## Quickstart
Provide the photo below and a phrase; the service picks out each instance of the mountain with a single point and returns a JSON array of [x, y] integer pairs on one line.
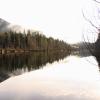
[[6, 26]]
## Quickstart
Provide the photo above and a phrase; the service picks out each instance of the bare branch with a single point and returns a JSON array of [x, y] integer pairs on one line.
[[87, 45], [89, 20], [96, 1]]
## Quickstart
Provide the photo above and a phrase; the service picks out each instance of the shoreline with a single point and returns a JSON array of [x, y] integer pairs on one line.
[[17, 51]]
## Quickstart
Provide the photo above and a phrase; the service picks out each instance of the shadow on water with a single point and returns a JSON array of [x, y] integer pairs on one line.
[[16, 64]]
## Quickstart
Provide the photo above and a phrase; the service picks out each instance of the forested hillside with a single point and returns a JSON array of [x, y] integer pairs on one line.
[[31, 41]]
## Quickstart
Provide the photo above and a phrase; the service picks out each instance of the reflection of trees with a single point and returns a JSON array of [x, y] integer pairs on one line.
[[3, 76], [32, 61]]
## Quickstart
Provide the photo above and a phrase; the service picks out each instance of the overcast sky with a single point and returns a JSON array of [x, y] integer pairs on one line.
[[57, 18]]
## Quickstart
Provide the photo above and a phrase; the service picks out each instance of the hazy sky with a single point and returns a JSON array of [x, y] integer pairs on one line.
[[57, 18]]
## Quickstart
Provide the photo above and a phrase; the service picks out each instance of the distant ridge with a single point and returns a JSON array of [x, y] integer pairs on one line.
[[6, 26]]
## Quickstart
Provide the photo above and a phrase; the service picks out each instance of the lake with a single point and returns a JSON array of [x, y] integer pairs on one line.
[[49, 76]]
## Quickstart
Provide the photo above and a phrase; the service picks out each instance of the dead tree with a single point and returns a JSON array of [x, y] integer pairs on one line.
[[96, 25]]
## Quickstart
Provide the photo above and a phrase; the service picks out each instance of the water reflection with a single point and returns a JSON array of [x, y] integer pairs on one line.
[[70, 79], [16, 64], [81, 53]]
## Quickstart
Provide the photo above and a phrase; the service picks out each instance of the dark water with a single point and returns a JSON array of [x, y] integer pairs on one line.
[[49, 76], [16, 64]]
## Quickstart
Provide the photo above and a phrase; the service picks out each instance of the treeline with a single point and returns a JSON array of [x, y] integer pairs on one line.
[[31, 41]]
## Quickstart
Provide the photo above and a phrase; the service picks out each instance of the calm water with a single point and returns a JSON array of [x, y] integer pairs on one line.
[[49, 76]]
